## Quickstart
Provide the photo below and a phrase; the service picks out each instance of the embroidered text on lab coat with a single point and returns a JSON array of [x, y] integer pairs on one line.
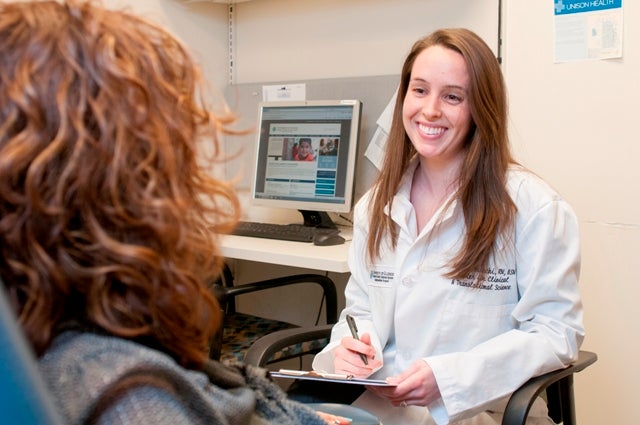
[[495, 279]]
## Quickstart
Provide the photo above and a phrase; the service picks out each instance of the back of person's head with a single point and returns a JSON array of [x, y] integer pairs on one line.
[[107, 212]]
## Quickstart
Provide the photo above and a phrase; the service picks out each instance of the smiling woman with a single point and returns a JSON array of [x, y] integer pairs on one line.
[[474, 248], [436, 111], [437, 120]]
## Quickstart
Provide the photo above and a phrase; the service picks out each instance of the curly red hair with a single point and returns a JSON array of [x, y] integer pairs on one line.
[[108, 215]]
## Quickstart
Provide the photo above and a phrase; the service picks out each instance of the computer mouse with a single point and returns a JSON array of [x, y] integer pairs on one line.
[[327, 239]]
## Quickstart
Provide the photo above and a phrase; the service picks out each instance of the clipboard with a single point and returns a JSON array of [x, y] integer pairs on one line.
[[314, 375]]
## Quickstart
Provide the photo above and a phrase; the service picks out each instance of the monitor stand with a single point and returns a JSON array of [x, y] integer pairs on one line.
[[317, 219]]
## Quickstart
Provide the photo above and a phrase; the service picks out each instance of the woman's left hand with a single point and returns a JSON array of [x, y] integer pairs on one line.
[[415, 386]]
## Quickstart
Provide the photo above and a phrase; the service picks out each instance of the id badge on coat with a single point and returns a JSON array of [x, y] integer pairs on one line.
[[381, 276]]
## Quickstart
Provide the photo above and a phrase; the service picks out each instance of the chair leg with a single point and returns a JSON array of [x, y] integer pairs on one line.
[[553, 403], [565, 389], [215, 348], [226, 280], [560, 401]]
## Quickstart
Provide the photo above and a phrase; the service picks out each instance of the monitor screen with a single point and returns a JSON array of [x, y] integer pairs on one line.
[[306, 156]]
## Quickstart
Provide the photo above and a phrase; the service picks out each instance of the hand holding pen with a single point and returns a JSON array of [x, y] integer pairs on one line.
[[356, 355], [354, 333]]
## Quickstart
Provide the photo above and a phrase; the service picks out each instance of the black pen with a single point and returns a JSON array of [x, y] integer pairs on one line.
[[354, 333]]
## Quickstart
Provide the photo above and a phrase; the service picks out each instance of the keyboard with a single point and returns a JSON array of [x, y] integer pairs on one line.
[[285, 232]]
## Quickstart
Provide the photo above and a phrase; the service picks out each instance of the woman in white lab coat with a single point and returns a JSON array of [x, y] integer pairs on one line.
[[464, 265]]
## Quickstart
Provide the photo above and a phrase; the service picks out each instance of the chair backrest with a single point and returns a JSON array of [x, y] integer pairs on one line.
[[241, 329], [24, 398]]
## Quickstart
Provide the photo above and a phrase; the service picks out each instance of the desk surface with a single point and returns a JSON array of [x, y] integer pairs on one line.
[[287, 253]]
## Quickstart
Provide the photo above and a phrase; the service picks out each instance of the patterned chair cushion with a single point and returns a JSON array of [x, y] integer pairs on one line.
[[241, 330]]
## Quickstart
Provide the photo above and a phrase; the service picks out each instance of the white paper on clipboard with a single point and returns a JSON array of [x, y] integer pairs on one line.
[[313, 375]]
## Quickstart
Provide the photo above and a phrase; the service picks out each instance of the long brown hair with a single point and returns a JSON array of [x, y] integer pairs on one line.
[[488, 209], [108, 214]]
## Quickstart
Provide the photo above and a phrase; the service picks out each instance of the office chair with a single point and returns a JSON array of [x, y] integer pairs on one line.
[[241, 330], [24, 398], [557, 384]]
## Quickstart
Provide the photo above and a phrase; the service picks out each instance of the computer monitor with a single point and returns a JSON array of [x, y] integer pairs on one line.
[[306, 157]]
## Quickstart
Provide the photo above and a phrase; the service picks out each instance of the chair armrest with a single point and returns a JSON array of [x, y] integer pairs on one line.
[[265, 347], [522, 399], [325, 282]]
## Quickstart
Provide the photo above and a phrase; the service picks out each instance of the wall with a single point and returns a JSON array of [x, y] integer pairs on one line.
[[574, 124], [308, 39]]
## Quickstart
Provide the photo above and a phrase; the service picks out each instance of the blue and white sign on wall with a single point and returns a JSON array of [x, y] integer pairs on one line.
[[565, 7], [587, 29]]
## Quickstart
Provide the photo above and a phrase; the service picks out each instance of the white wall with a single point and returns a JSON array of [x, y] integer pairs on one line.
[[310, 39], [575, 124]]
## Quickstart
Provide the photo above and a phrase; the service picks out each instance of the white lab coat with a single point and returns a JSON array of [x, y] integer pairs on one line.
[[483, 343]]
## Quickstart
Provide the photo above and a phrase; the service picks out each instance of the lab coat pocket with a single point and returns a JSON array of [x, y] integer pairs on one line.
[[464, 325]]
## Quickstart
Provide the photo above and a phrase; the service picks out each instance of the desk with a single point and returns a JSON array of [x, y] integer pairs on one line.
[[287, 253]]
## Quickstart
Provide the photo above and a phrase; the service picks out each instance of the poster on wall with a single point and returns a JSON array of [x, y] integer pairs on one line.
[[587, 30]]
